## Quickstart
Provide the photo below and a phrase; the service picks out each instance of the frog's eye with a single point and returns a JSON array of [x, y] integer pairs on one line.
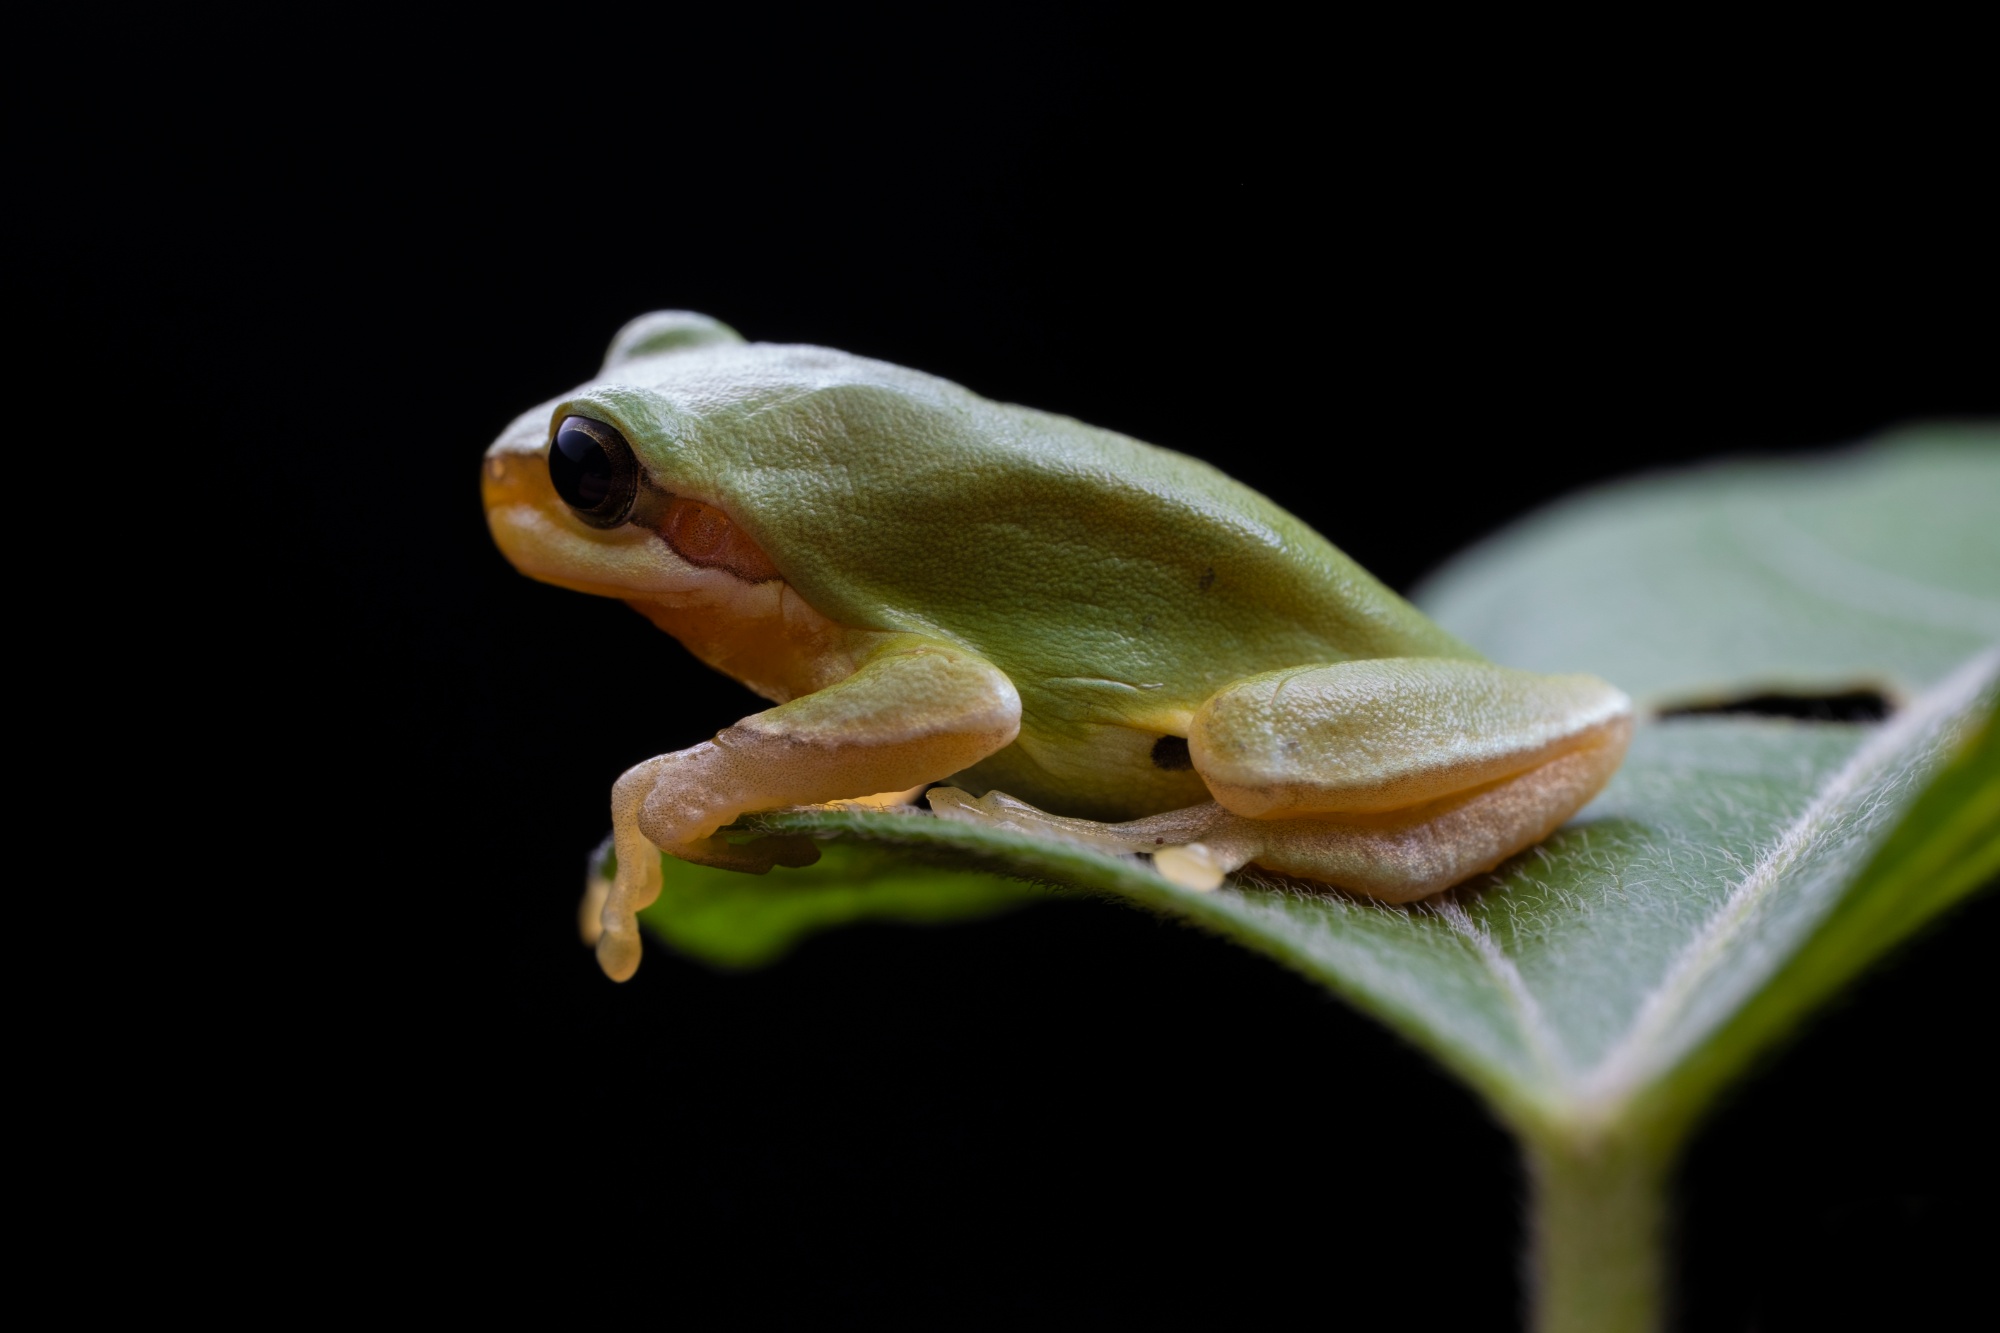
[[594, 471]]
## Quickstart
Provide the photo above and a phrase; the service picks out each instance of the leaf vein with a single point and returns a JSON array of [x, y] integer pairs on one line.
[[1641, 1053], [1535, 1031]]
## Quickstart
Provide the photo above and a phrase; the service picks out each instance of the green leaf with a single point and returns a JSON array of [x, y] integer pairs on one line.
[[1879, 566], [1600, 988], [1623, 969]]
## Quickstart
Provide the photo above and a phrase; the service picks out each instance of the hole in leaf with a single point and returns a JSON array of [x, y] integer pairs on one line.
[[1844, 706]]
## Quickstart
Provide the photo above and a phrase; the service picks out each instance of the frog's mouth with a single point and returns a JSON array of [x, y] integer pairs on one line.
[[539, 537], [675, 547]]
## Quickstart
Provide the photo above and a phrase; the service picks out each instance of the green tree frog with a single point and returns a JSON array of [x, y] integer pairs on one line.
[[1078, 632]]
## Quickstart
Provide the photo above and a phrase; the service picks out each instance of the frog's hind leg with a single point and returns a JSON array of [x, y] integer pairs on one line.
[[1401, 856], [1400, 777]]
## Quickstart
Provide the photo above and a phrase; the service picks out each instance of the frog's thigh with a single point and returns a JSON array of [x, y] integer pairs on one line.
[[1392, 734], [912, 714]]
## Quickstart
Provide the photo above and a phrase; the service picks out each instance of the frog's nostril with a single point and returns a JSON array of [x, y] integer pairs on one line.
[[593, 471]]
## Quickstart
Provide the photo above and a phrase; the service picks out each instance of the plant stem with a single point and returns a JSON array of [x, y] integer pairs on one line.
[[1597, 1219]]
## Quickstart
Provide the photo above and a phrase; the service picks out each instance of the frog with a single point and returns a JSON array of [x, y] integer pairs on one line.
[[1043, 624]]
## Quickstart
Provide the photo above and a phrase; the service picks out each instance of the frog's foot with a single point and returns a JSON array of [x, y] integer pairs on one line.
[[654, 809], [1184, 844], [639, 833], [755, 858], [631, 890]]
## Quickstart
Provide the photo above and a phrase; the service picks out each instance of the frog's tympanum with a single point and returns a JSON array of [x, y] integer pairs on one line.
[[1075, 631]]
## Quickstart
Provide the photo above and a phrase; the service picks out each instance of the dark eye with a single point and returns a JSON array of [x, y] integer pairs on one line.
[[594, 471]]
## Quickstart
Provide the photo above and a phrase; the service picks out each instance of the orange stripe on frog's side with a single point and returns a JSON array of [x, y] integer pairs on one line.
[[703, 535]]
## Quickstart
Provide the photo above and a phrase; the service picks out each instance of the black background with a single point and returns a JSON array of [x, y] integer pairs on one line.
[[1409, 287]]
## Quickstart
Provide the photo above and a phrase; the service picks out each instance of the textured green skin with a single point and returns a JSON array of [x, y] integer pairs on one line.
[[1117, 584]]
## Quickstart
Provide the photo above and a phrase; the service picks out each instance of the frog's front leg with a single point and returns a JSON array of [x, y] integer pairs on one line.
[[915, 711]]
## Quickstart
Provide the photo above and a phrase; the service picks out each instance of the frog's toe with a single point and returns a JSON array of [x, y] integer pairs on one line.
[[590, 912], [618, 948], [618, 945], [631, 891], [999, 810], [1196, 865]]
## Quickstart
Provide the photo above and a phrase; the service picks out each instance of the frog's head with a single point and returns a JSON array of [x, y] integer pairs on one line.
[[596, 491], [702, 478]]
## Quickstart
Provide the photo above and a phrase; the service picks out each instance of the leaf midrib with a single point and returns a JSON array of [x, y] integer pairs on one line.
[[1638, 1058]]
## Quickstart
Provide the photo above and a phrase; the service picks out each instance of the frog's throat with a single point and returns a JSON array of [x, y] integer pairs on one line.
[[764, 635], [761, 632]]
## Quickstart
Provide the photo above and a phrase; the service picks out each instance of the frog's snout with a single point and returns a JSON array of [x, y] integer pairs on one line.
[[545, 539], [520, 504], [513, 477]]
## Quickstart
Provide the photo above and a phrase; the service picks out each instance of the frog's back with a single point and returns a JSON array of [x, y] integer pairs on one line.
[[893, 499]]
